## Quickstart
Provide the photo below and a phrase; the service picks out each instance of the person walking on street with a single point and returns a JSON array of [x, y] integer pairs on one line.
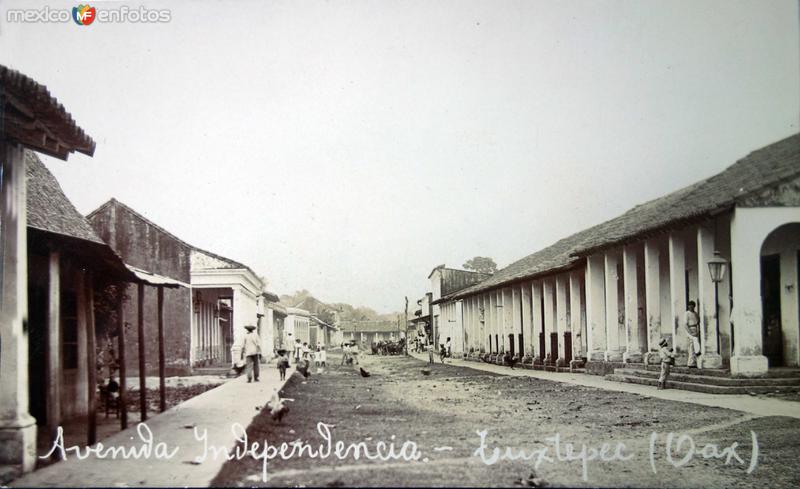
[[251, 351], [298, 349], [667, 360], [448, 348], [691, 322], [430, 353]]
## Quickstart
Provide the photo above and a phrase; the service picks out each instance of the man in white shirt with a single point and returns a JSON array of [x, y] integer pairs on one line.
[[251, 350], [691, 322]]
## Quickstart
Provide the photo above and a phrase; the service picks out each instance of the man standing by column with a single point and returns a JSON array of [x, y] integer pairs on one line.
[[692, 323], [251, 349]]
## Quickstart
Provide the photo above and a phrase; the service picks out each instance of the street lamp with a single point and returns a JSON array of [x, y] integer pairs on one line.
[[717, 267]]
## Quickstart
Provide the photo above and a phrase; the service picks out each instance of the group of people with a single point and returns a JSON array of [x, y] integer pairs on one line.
[[303, 355]]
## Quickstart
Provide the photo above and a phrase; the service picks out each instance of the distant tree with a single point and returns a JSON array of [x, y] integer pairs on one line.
[[482, 264]]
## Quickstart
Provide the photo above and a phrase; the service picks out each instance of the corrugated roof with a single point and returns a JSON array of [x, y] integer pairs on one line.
[[35, 119]]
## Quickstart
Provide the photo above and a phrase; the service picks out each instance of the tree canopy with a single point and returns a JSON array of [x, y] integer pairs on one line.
[[482, 264]]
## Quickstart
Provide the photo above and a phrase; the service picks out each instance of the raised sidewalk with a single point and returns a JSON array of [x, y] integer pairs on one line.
[[216, 411], [745, 403]]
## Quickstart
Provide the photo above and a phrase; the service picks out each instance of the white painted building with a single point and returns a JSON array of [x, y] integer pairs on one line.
[[608, 294]]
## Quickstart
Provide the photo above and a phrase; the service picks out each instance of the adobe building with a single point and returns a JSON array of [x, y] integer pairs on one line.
[[206, 318]]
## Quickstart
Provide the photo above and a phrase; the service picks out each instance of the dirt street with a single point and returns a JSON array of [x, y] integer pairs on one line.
[[443, 412]]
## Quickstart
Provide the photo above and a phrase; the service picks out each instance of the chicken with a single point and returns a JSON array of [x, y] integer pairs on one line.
[[364, 373], [277, 407]]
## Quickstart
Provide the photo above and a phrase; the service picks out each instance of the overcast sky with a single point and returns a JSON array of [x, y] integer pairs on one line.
[[348, 147]]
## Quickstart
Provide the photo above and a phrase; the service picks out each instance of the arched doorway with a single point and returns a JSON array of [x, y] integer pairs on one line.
[[780, 308]]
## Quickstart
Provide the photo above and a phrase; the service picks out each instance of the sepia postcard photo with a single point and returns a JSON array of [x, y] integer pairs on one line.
[[400, 243]]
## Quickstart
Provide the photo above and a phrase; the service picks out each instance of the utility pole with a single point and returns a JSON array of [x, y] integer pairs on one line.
[[406, 318]]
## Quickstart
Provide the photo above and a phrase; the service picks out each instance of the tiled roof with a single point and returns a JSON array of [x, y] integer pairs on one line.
[[548, 260], [367, 326], [48, 208], [762, 168], [35, 119], [200, 257]]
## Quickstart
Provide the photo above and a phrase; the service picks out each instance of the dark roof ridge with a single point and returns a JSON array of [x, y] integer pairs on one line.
[[138, 215]]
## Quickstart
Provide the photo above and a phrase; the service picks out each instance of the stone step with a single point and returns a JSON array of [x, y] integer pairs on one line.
[[706, 388], [698, 377], [708, 372]]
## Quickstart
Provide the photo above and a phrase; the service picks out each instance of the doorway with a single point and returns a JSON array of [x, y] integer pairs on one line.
[[771, 309], [511, 344]]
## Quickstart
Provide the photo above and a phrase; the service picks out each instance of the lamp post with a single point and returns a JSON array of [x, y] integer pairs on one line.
[[717, 267]]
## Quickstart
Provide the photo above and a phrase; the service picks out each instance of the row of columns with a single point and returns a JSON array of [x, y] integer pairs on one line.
[[619, 334], [495, 321]]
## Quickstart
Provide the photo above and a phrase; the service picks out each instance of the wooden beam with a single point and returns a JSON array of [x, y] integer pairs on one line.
[[54, 347], [91, 406], [123, 378], [142, 379], [161, 367]]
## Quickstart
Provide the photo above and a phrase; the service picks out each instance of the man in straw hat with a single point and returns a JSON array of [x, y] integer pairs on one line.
[[251, 351], [667, 359]]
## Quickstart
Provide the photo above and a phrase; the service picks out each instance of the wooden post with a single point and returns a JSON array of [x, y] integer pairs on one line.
[[161, 367], [91, 405], [142, 380], [54, 346], [123, 378]]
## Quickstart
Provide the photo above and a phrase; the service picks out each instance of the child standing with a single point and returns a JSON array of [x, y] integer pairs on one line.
[[283, 363], [667, 359]]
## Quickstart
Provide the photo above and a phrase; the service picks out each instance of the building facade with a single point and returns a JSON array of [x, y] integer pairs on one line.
[[607, 295]]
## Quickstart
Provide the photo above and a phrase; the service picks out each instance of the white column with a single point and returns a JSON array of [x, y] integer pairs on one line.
[[575, 313], [527, 329], [561, 317], [503, 306], [81, 387], [652, 286], [17, 426], [516, 319], [549, 319], [677, 286], [596, 307], [614, 348], [749, 229], [633, 344], [536, 319], [54, 379], [709, 339], [490, 320]]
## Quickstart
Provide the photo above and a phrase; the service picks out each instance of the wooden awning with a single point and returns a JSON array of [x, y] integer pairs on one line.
[[36, 120]]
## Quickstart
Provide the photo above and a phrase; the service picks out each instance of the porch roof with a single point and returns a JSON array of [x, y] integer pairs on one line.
[[760, 169], [53, 218], [35, 119]]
